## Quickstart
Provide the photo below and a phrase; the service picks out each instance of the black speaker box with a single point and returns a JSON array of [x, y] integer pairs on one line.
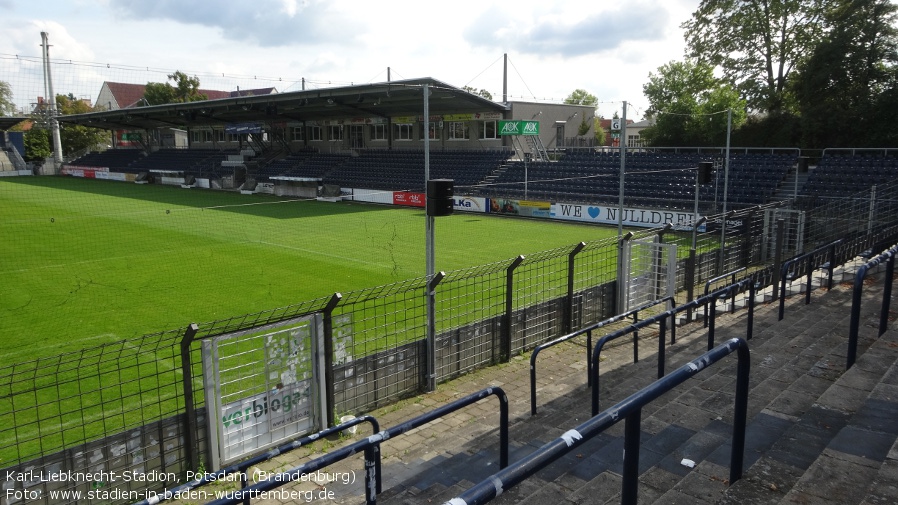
[[439, 197]]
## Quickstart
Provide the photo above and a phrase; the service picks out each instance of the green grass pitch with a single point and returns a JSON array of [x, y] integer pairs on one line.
[[88, 261]]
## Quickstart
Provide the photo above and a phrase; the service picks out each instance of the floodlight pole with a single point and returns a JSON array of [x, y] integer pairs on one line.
[[726, 179], [51, 100], [429, 241], [623, 164]]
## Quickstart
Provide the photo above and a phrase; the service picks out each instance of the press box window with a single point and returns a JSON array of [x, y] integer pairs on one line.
[[458, 130], [402, 132]]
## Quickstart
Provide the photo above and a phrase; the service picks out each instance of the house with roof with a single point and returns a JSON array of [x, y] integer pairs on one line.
[[121, 95]]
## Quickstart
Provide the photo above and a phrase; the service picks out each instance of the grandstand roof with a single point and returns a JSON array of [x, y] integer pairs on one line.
[[8, 122], [388, 99]]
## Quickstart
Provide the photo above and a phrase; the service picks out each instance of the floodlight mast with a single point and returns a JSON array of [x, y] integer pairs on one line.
[[51, 100], [429, 241], [623, 164]]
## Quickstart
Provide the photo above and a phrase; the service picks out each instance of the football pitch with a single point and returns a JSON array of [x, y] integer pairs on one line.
[[88, 261]]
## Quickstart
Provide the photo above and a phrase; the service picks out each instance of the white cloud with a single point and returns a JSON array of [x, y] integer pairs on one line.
[[553, 48]]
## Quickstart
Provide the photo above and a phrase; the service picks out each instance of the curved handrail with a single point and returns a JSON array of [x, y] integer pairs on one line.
[[371, 449], [662, 319], [855, 320], [629, 409], [241, 467], [588, 330], [715, 279], [829, 265]]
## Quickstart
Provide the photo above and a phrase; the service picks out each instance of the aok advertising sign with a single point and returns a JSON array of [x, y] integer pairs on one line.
[[518, 127]]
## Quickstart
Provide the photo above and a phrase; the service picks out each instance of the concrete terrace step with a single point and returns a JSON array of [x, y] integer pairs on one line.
[[840, 449], [803, 410]]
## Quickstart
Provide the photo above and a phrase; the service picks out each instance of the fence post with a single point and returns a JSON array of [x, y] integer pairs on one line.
[[622, 287], [690, 282], [569, 300], [887, 293], [505, 345], [328, 324], [431, 379], [190, 437], [630, 480], [778, 255]]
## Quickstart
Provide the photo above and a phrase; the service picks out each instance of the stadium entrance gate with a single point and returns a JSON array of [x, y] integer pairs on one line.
[[793, 240], [263, 387], [648, 273]]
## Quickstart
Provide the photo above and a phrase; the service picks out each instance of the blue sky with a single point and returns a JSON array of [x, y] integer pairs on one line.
[[553, 47]]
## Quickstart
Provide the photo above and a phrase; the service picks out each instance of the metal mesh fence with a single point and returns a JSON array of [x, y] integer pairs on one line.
[[469, 309]]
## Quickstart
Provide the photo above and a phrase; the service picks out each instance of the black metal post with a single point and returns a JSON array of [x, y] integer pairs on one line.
[[690, 281], [328, 327], [588, 360], [752, 286], [505, 345], [887, 294], [190, 433], [807, 291], [778, 255], [630, 481], [661, 358], [567, 324]]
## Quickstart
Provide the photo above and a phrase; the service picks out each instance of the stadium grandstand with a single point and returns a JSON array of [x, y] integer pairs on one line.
[[370, 137]]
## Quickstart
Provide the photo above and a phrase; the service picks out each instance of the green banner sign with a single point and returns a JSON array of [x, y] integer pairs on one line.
[[518, 127]]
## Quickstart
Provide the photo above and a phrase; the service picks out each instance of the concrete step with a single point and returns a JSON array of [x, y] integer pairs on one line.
[[840, 447], [803, 408]]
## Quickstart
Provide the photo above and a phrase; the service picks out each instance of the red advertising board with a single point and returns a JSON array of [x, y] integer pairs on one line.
[[408, 199]]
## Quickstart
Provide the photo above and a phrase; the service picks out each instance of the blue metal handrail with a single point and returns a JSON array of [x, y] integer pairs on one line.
[[371, 449], [588, 330], [631, 410], [809, 257], [241, 467], [854, 324], [662, 320], [712, 280]]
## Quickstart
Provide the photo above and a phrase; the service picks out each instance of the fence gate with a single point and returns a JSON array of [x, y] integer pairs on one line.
[[649, 272], [263, 387], [793, 245]]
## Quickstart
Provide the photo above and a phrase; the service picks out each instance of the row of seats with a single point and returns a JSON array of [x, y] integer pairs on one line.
[[753, 178], [838, 175]]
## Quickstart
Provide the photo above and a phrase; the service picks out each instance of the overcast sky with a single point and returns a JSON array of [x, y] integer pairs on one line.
[[553, 48]]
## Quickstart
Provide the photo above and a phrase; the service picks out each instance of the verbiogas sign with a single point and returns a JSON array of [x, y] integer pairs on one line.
[[603, 214]]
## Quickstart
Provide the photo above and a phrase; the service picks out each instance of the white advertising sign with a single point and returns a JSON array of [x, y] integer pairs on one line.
[[604, 214]]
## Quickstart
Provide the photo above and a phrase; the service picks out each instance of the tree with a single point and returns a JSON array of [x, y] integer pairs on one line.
[[599, 132], [848, 87], [37, 144], [186, 89], [689, 105], [581, 97], [583, 129], [479, 92], [7, 107], [77, 138], [757, 43]]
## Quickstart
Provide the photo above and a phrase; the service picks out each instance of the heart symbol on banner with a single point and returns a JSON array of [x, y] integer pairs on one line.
[[593, 212]]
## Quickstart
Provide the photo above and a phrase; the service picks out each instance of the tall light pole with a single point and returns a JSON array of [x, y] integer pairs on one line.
[[51, 100], [430, 269], [726, 179], [623, 165]]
